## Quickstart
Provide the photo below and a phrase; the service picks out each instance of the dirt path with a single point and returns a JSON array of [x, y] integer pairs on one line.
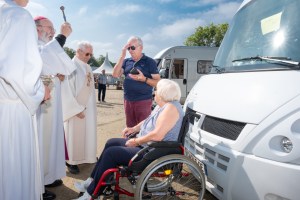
[[110, 122]]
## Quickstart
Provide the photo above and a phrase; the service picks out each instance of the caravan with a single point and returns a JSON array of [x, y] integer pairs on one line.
[[185, 65], [245, 115]]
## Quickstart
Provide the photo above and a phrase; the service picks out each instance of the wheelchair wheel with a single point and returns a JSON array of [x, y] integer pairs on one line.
[[171, 177]]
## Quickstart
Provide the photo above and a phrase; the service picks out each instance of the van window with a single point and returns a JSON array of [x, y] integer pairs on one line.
[[177, 69], [203, 66], [270, 31]]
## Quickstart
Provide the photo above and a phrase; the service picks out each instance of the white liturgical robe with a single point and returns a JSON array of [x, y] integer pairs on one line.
[[55, 61], [81, 136], [21, 92]]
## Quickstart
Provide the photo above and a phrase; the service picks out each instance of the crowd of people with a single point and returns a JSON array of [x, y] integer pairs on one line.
[[48, 106]]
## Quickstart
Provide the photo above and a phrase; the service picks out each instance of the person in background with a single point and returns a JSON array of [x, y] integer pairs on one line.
[[21, 93], [80, 127], [102, 80], [137, 86], [163, 124], [56, 65]]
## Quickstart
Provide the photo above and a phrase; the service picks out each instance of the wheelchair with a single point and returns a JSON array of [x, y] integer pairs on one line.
[[163, 172]]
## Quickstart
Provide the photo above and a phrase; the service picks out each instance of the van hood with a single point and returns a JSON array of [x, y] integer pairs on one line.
[[245, 97]]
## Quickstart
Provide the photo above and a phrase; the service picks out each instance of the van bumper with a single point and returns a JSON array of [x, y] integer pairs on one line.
[[234, 175]]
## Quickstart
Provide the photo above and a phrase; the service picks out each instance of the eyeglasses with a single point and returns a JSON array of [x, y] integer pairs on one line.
[[50, 27], [88, 54], [132, 48]]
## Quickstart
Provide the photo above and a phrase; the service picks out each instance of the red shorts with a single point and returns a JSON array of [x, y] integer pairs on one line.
[[137, 111]]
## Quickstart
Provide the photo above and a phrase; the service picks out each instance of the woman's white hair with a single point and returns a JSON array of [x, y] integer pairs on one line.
[[168, 90], [84, 44]]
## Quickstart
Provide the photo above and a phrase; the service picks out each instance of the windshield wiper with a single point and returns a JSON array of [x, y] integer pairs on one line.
[[280, 60], [218, 69]]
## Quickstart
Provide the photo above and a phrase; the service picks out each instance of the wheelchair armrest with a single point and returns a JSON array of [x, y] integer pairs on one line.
[[154, 151], [164, 144], [158, 146]]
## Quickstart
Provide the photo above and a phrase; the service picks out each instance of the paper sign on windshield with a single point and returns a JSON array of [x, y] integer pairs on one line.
[[271, 23]]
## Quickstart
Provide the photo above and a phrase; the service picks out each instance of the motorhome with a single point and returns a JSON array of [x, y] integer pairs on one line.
[[244, 116], [185, 65]]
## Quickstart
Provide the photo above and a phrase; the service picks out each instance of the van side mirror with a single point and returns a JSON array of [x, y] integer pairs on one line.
[[164, 73]]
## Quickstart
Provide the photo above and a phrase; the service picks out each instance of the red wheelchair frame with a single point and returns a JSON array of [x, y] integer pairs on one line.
[[149, 154]]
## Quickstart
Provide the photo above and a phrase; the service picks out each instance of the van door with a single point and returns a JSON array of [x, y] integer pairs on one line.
[[178, 73]]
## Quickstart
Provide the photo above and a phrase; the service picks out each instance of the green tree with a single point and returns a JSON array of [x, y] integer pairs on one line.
[[71, 52], [100, 60], [93, 62], [211, 35]]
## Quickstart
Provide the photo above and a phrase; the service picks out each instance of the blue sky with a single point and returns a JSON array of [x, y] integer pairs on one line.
[[107, 24]]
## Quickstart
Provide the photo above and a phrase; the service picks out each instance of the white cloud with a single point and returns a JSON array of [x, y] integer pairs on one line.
[[176, 32], [221, 13], [184, 27], [148, 37], [165, 1], [117, 10], [122, 37], [201, 3], [83, 10], [179, 28], [165, 17]]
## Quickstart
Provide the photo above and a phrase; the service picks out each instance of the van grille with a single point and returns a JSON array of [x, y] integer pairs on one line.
[[222, 128]]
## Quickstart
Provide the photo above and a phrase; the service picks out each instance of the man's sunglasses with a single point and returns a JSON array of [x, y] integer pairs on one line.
[[89, 54], [132, 48]]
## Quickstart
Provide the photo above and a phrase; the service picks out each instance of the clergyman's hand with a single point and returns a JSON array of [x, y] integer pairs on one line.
[[61, 77], [80, 115], [47, 95], [66, 29]]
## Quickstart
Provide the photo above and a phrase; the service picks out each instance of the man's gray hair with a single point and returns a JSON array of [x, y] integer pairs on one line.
[[84, 44], [138, 39], [168, 90]]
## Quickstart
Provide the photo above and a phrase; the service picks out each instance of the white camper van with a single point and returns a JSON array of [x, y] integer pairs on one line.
[[245, 115], [185, 65]]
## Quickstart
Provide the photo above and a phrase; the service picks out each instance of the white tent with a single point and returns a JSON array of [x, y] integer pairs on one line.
[[106, 65], [108, 71]]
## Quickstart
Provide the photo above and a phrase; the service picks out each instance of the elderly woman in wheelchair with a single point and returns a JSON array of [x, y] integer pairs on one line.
[[129, 156]]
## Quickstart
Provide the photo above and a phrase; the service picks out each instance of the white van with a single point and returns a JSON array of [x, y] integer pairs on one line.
[[185, 65], [245, 115]]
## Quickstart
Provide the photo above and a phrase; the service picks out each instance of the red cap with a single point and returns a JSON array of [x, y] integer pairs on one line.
[[39, 18]]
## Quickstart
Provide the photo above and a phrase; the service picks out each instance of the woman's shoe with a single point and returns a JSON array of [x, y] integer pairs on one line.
[[82, 186], [85, 196]]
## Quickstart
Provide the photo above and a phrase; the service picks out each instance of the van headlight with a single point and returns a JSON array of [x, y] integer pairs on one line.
[[286, 145]]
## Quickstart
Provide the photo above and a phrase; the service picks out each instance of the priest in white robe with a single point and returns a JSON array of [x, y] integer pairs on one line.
[[21, 92], [80, 128], [56, 65]]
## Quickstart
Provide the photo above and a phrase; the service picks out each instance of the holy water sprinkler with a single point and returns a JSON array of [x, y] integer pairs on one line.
[[63, 12]]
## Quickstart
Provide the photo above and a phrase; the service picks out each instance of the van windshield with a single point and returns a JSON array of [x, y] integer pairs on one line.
[[263, 35]]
